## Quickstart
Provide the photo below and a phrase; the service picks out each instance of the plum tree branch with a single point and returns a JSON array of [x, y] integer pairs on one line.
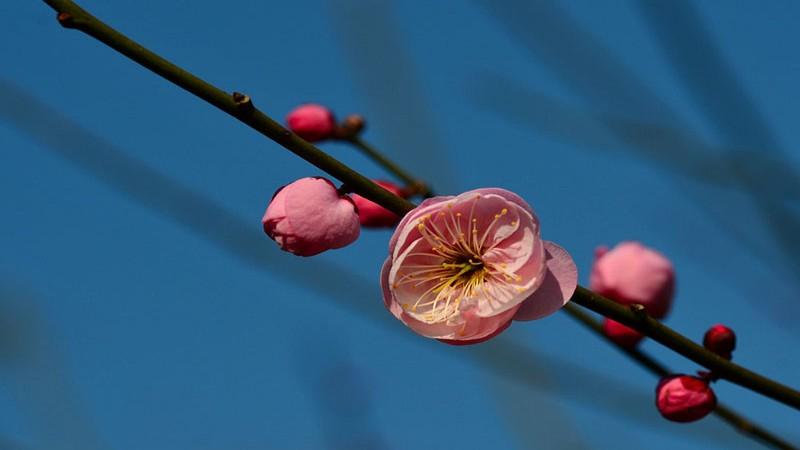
[[240, 106], [390, 166]]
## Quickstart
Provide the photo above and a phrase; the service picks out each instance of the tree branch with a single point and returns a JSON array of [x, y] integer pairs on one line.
[[70, 15]]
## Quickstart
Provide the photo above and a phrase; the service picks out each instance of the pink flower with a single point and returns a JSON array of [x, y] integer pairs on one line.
[[374, 215], [623, 335], [311, 122], [632, 273], [461, 268], [720, 340], [309, 216], [684, 398]]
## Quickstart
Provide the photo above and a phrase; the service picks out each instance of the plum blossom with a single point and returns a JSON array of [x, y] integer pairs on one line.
[[461, 268]]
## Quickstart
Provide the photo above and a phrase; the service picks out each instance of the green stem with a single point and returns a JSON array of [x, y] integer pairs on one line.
[[736, 420], [372, 153], [239, 106]]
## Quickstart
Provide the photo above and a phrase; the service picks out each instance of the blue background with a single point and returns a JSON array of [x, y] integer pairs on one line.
[[141, 306]]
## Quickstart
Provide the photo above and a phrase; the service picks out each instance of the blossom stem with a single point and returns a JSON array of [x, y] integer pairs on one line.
[[375, 155], [241, 107], [736, 420]]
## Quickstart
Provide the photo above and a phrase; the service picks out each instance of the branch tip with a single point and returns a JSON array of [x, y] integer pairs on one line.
[[351, 127]]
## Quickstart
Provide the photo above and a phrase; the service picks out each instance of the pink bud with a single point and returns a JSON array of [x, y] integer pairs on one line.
[[623, 335], [720, 340], [311, 122], [631, 273], [684, 398], [309, 216], [374, 215]]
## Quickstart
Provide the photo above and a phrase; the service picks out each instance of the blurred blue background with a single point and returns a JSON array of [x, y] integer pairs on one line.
[[141, 306]]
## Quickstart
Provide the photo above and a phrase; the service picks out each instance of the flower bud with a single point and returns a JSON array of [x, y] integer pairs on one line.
[[350, 127], [310, 216], [684, 398], [631, 273], [373, 215], [311, 122], [720, 340], [623, 335]]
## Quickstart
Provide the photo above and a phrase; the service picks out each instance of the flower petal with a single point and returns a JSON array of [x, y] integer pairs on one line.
[[401, 233], [479, 329], [388, 299], [558, 286], [503, 327], [508, 195]]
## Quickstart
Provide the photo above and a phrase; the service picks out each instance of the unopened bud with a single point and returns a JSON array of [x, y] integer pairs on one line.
[[312, 122], [310, 216], [623, 335], [720, 340], [684, 398]]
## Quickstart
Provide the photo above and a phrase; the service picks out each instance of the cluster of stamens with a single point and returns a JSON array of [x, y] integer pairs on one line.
[[460, 271]]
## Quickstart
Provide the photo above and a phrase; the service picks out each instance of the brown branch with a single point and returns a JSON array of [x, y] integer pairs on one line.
[[71, 15]]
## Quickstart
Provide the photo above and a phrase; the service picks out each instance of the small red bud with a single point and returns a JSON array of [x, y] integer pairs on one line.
[[373, 215], [720, 340], [623, 335], [684, 398], [312, 122]]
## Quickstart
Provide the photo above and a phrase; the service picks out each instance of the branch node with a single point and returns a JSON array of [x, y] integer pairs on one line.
[[66, 20], [242, 101], [638, 309]]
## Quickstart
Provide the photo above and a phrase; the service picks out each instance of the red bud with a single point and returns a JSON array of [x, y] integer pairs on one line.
[[684, 398], [720, 340]]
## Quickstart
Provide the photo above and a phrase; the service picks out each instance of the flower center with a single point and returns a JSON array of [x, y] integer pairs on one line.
[[457, 271]]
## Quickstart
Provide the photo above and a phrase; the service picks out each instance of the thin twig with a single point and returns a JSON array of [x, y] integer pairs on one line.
[[737, 421], [240, 106], [372, 153]]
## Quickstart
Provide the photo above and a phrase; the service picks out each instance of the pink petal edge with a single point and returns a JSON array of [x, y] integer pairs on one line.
[[557, 288]]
